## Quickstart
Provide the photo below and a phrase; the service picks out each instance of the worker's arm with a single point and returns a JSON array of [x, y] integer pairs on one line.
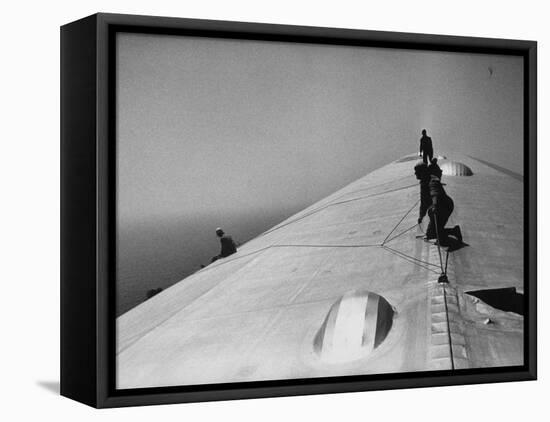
[[433, 206], [435, 192]]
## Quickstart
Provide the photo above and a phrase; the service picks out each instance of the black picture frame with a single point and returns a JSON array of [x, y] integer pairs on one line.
[[88, 198]]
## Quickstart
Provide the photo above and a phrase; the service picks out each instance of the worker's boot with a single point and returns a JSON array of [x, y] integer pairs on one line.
[[443, 242], [457, 233]]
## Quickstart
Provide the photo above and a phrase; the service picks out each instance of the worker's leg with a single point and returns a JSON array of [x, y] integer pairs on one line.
[[444, 211], [455, 232], [430, 155], [430, 230]]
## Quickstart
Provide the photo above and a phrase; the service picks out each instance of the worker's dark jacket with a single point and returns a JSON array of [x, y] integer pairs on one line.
[[228, 246], [434, 169], [425, 198], [440, 199], [426, 145]]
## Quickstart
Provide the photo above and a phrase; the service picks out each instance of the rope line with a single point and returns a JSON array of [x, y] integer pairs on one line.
[[330, 204], [409, 259], [438, 243], [449, 329], [402, 218], [328, 246], [401, 233], [226, 261], [372, 194]]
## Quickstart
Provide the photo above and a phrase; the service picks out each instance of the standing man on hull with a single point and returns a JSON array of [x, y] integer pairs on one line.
[[426, 148]]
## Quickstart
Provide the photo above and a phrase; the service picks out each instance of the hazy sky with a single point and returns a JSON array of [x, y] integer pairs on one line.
[[243, 134], [204, 123]]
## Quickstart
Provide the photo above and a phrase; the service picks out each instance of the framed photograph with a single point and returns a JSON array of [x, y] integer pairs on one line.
[[253, 210]]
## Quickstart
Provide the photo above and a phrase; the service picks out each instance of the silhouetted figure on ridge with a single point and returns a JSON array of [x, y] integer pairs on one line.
[[227, 244], [426, 147]]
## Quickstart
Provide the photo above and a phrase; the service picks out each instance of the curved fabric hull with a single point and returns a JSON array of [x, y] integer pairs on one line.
[[257, 315]]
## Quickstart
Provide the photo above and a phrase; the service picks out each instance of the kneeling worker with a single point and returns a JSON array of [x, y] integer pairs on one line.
[[439, 213], [227, 243]]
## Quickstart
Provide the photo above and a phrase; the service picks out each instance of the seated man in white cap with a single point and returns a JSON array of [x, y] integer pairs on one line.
[[228, 245]]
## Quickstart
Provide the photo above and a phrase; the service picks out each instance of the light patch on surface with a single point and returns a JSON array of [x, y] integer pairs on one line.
[[355, 325], [454, 168]]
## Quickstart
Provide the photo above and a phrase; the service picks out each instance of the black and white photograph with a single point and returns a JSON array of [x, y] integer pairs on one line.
[[275, 211], [290, 210]]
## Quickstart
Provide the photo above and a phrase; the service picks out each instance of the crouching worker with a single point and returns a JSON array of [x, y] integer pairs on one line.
[[439, 212], [227, 244]]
